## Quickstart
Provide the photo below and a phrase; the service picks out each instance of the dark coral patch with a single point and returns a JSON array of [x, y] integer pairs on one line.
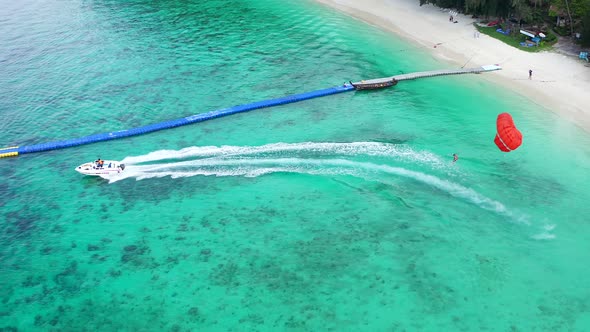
[[69, 280], [137, 255], [32, 281], [21, 222]]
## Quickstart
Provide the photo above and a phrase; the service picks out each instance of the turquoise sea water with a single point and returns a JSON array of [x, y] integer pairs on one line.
[[343, 213]]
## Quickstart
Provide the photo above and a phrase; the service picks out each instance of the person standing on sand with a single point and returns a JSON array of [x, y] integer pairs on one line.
[[530, 74]]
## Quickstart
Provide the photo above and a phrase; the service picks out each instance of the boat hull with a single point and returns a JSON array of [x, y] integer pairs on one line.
[[375, 85], [109, 167]]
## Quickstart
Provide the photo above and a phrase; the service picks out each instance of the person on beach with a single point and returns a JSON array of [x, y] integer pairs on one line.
[[530, 74], [455, 157], [451, 18]]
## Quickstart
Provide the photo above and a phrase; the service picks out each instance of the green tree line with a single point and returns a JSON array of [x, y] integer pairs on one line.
[[566, 17]]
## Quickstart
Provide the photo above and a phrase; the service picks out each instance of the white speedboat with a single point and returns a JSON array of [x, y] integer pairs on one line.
[[107, 167]]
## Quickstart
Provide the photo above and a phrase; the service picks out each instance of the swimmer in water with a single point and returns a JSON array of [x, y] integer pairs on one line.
[[455, 157]]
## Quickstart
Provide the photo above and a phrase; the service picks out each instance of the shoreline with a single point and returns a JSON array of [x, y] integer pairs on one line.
[[559, 83]]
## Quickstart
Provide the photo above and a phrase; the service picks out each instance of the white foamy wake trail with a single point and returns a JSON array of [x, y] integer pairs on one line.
[[226, 164], [400, 152], [546, 233]]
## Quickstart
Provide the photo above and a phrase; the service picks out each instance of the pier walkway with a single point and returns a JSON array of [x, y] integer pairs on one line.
[[432, 73]]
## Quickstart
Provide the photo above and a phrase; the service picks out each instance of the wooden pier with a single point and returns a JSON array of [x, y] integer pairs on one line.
[[422, 74]]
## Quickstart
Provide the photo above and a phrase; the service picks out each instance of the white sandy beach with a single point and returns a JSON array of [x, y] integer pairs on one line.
[[560, 83]]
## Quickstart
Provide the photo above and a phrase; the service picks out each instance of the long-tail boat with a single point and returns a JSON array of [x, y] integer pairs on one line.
[[372, 86]]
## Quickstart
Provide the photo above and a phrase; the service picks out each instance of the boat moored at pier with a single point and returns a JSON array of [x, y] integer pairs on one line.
[[362, 85]]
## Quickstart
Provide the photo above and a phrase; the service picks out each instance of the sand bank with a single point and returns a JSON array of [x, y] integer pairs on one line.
[[559, 83]]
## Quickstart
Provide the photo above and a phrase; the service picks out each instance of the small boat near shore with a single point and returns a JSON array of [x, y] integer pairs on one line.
[[101, 168], [374, 85]]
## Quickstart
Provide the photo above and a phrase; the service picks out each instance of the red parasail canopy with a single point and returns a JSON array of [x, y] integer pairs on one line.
[[508, 137]]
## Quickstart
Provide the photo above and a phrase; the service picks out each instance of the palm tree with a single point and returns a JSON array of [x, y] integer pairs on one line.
[[569, 14]]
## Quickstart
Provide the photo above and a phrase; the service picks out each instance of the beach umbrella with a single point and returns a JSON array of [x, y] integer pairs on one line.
[[508, 138]]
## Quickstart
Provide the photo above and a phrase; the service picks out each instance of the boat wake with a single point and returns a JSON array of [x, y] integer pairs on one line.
[[546, 233], [400, 152], [387, 161]]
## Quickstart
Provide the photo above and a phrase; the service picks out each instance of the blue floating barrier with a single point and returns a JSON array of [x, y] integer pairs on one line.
[[176, 122]]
